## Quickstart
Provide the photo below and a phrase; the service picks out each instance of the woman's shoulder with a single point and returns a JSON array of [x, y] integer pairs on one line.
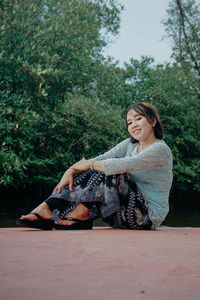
[[162, 147], [163, 144]]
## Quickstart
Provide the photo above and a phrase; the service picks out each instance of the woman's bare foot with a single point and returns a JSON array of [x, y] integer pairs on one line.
[[80, 212], [43, 210]]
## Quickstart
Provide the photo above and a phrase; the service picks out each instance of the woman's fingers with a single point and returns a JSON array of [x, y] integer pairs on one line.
[[66, 179], [71, 184], [60, 187], [55, 189]]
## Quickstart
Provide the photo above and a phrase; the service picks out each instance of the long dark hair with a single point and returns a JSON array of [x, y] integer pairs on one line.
[[150, 112]]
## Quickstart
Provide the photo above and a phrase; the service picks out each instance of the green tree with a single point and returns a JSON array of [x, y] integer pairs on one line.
[[53, 46], [182, 82], [49, 50]]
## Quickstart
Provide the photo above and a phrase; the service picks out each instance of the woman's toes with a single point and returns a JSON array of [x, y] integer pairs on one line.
[[23, 217], [64, 222], [28, 217], [58, 222]]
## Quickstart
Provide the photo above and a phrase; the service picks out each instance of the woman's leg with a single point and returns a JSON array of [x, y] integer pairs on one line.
[[82, 204], [45, 211], [92, 186], [133, 211]]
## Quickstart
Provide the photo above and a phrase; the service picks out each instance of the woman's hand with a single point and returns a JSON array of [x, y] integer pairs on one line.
[[82, 165], [66, 179]]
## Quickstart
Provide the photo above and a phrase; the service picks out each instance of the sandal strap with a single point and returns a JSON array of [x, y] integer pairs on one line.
[[37, 215], [75, 220]]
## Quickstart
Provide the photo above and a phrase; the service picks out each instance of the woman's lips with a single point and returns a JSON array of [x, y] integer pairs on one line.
[[136, 131]]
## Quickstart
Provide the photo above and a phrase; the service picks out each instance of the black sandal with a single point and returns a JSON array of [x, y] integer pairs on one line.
[[80, 224], [40, 223]]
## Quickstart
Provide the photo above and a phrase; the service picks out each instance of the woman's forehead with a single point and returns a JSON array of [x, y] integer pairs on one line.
[[132, 114]]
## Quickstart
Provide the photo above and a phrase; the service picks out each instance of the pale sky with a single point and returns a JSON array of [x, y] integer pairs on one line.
[[141, 32]]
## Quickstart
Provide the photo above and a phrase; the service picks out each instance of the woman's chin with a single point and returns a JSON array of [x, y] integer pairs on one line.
[[136, 137]]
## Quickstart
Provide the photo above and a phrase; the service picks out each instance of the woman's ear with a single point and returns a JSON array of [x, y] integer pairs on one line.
[[154, 121]]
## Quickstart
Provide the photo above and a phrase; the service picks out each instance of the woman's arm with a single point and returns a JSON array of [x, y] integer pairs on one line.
[[85, 164], [156, 156]]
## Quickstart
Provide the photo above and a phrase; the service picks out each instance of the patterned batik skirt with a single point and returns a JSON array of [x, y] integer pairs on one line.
[[114, 198]]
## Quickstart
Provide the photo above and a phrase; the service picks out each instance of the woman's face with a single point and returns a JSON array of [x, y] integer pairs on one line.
[[139, 127]]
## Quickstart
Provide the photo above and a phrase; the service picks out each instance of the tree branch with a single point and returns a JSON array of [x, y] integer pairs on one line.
[[182, 17]]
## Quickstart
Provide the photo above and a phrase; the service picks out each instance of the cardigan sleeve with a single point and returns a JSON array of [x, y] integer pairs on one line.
[[155, 156]]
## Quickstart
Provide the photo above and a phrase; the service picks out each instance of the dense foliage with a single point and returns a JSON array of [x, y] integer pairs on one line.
[[48, 50], [60, 99]]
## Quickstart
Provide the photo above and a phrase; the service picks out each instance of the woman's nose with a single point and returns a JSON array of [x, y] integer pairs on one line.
[[134, 125]]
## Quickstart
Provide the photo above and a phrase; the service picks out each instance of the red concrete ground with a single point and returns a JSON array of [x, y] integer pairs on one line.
[[102, 263]]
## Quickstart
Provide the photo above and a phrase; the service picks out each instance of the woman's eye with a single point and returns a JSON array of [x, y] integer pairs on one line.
[[138, 119], [129, 123]]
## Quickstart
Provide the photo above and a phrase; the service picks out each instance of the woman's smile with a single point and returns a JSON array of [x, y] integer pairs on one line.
[[136, 131]]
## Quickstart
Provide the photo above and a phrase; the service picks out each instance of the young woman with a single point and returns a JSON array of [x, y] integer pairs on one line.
[[128, 186]]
